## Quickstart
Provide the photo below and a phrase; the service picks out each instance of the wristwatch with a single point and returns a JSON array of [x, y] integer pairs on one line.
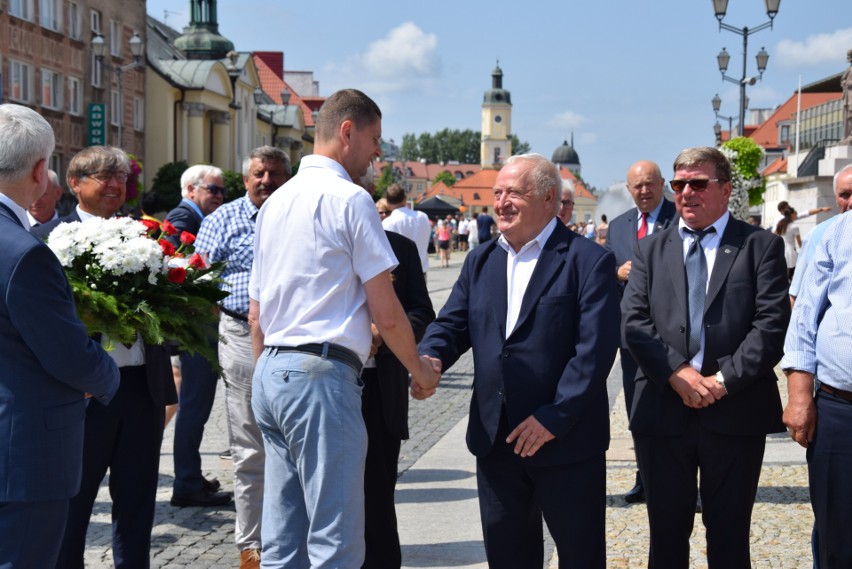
[[720, 379]]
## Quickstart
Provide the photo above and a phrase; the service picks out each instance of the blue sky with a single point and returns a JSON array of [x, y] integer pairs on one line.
[[632, 80]]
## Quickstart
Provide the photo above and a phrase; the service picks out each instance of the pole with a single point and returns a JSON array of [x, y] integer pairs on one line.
[[798, 117], [743, 83], [118, 72]]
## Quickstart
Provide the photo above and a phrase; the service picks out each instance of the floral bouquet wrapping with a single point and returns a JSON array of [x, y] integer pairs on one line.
[[124, 281]]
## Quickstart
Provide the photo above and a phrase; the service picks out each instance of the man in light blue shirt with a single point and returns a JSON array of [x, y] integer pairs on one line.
[[843, 197], [817, 346]]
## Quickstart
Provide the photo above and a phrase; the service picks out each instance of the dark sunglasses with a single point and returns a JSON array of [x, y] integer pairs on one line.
[[213, 189], [697, 185]]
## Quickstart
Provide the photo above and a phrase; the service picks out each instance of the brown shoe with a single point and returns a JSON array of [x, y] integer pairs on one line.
[[250, 559]]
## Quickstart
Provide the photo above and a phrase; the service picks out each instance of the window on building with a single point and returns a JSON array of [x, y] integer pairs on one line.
[[114, 108], [21, 9], [55, 164], [95, 21], [51, 89], [20, 81], [74, 29], [784, 134], [50, 14], [97, 72], [75, 96], [138, 114], [115, 38]]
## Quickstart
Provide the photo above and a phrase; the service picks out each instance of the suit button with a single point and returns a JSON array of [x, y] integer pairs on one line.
[[500, 392], [505, 355], [682, 329]]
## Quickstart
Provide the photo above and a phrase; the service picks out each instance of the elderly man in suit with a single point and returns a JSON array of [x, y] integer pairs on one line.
[[539, 417], [652, 213], [43, 210], [203, 190], [126, 436], [48, 360], [704, 314]]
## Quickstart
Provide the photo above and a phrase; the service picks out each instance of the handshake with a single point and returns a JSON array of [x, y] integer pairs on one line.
[[424, 380]]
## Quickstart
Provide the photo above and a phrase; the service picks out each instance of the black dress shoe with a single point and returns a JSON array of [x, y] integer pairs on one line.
[[200, 499], [636, 494], [210, 486]]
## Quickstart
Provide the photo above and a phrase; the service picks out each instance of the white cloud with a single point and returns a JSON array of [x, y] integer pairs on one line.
[[568, 119], [406, 59], [821, 48]]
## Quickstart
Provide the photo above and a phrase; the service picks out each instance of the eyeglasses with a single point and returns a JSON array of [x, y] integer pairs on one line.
[[214, 189], [105, 177], [697, 184], [567, 203], [383, 213]]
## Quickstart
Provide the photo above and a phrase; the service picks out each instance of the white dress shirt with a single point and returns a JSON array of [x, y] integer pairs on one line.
[[414, 225]]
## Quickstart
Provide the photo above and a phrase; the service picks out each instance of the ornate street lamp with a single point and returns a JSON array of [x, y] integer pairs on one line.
[[137, 48], [720, 8], [717, 128]]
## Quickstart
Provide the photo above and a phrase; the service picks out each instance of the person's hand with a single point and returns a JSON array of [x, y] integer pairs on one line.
[[800, 414], [529, 436], [376, 341], [425, 381], [690, 385], [623, 271]]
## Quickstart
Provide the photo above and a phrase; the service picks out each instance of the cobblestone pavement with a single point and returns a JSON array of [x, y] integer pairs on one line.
[[189, 538]]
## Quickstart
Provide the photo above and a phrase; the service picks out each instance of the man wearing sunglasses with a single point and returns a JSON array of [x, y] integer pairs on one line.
[[704, 315], [203, 189]]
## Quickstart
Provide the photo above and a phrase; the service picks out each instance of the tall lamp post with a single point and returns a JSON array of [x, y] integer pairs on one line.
[[137, 48], [720, 7], [717, 128]]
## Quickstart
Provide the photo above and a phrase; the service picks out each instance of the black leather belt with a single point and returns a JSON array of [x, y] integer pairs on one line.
[[233, 314], [325, 350], [845, 395]]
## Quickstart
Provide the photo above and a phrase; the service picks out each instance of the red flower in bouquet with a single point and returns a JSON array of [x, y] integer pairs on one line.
[[177, 275], [197, 262], [168, 228], [151, 225], [167, 247], [187, 238]]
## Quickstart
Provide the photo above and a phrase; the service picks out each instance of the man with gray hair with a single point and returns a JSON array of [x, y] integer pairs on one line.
[[566, 201], [539, 418], [43, 210], [203, 189], [227, 235], [49, 362]]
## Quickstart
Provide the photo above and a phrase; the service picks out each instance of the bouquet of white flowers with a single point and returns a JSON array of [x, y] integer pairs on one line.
[[125, 281]]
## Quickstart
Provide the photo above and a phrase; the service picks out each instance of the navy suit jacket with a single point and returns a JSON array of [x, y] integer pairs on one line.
[[746, 314], [184, 218], [410, 287], [48, 362], [554, 365]]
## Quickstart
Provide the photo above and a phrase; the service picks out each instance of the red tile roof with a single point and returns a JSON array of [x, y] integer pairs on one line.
[[475, 190], [766, 134], [778, 165], [580, 190], [270, 71]]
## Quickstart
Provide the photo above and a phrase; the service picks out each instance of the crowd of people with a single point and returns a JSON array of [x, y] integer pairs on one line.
[[322, 341]]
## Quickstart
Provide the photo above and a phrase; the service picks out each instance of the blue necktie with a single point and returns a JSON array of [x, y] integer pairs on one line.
[[696, 287]]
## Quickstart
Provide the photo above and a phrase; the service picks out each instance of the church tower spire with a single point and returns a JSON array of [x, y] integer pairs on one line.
[[496, 143]]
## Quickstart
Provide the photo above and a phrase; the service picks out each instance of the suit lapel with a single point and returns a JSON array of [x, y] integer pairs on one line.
[[673, 263], [494, 277], [549, 263], [729, 247], [4, 210]]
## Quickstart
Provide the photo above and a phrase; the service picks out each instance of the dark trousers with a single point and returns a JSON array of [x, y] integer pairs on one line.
[[730, 471], [380, 473], [125, 438], [513, 497], [629, 367], [197, 393], [30, 533], [829, 467]]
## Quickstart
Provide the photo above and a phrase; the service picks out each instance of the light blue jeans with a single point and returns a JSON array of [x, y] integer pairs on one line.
[[309, 411]]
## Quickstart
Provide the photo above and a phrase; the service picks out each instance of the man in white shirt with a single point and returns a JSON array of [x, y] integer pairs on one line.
[[311, 304], [408, 223]]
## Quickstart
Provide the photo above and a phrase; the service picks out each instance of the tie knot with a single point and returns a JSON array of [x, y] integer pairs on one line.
[[699, 234]]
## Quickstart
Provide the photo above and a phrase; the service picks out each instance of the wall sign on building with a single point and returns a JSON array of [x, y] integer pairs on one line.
[[97, 124]]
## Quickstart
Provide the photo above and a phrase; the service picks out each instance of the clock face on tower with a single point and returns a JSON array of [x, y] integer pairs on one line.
[[498, 119]]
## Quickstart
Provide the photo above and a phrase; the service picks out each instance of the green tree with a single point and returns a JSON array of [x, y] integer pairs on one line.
[[410, 150], [519, 147], [450, 145], [234, 185], [745, 156], [166, 184], [387, 178], [445, 176]]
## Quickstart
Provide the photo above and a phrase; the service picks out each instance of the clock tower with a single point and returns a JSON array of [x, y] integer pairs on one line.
[[496, 144]]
